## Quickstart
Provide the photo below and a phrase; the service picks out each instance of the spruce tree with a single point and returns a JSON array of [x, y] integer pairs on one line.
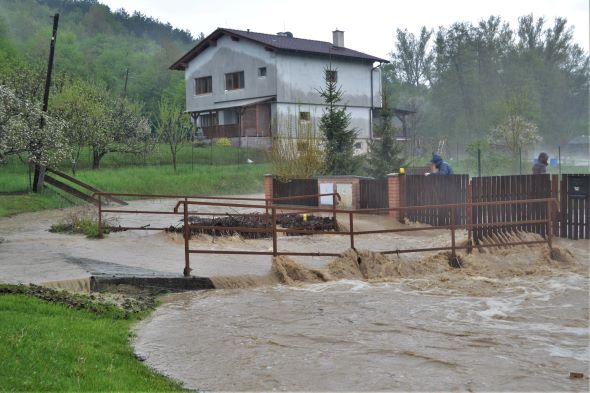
[[335, 127], [385, 153]]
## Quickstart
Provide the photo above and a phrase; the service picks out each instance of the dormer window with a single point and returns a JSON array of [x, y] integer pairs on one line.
[[234, 80]]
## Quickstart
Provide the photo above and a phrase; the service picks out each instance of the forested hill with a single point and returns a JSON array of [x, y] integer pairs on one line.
[[94, 44]]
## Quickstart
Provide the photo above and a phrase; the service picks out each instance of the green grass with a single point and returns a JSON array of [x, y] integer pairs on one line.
[[200, 180], [203, 180], [160, 156], [15, 204], [51, 347]]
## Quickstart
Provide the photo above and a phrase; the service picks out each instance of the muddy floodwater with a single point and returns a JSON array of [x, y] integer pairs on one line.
[[429, 328], [511, 319]]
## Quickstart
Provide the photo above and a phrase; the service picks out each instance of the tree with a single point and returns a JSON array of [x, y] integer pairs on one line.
[[174, 127], [126, 130], [413, 60], [20, 131], [514, 134], [81, 106], [334, 124], [299, 154], [385, 153]]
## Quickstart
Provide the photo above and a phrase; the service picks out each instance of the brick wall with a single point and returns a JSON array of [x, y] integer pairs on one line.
[[393, 181], [268, 186]]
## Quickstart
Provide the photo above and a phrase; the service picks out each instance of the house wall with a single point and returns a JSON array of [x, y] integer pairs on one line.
[[230, 56], [300, 76], [293, 78], [286, 117]]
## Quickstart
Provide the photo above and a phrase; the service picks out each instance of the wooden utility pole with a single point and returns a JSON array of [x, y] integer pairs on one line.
[[39, 169]]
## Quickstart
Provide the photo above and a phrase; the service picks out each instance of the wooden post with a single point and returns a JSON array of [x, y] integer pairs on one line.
[[351, 229], [549, 225], [469, 218], [555, 195], [334, 211], [274, 231], [186, 233], [453, 211], [100, 234]]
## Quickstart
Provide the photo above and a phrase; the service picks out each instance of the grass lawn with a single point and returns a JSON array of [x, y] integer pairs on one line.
[[50, 347], [187, 180]]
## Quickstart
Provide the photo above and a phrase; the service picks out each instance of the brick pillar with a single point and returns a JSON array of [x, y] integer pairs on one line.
[[394, 190], [268, 192]]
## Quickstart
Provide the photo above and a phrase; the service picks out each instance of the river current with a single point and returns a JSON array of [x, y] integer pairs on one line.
[[467, 333]]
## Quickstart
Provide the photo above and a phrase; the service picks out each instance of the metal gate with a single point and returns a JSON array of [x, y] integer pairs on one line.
[[575, 207]]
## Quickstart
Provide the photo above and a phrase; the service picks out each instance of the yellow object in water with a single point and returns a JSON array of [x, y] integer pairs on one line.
[[402, 171], [304, 216]]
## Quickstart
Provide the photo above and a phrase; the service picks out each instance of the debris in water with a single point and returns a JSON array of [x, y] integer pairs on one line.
[[255, 220]]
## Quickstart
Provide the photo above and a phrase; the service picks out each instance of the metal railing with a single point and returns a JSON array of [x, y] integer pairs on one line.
[[274, 230]]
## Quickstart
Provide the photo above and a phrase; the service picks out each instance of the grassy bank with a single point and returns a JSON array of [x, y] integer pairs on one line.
[[188, 180], [69, 344]]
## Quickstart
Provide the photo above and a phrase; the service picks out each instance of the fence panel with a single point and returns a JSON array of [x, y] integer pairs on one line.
[[506, 188], [574, 220], [435, 190], [373, 193], [296, 187]]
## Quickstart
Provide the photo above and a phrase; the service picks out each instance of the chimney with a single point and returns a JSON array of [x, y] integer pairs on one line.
[[338, 38]]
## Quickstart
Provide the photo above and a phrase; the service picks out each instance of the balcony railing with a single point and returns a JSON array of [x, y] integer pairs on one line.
[[222, 131]]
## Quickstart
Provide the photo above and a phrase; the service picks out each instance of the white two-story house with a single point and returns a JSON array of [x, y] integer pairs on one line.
[[241, 84]]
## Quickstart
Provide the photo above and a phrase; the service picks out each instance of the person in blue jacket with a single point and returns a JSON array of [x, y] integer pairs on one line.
[[442, 167]]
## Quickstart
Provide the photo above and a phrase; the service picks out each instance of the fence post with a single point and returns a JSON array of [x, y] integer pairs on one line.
[[549, 225], [100, 233], [469, 218], [274, 231], [334, 211], [453, 211], [478, 162], [186, 233], [555, 195], [351, 229]]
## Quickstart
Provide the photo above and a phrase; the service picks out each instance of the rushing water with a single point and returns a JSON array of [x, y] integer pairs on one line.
[[352, 335]]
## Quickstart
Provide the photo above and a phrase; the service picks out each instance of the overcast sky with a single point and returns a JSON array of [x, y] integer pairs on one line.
[[369, 26]]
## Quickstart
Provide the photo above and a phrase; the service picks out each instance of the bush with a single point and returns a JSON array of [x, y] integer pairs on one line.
[[83, 222], [223, 142]]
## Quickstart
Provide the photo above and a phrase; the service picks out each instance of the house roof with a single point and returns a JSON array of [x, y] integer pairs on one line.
[[275, 42]]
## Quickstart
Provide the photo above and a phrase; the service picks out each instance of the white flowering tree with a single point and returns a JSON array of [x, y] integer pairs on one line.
[[81, 106], [126, 130], [514, 134], [21, 133]]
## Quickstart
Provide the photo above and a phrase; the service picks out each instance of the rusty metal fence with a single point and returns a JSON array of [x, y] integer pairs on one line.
[[270, 208]]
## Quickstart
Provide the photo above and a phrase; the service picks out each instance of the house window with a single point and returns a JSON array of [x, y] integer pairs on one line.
[[209, 119], [332, 76], [203, 85], [304, 116], [358, 145], [262, 72], [234, 80]]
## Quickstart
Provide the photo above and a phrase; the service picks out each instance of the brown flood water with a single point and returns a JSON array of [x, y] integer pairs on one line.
[[511, 320]]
